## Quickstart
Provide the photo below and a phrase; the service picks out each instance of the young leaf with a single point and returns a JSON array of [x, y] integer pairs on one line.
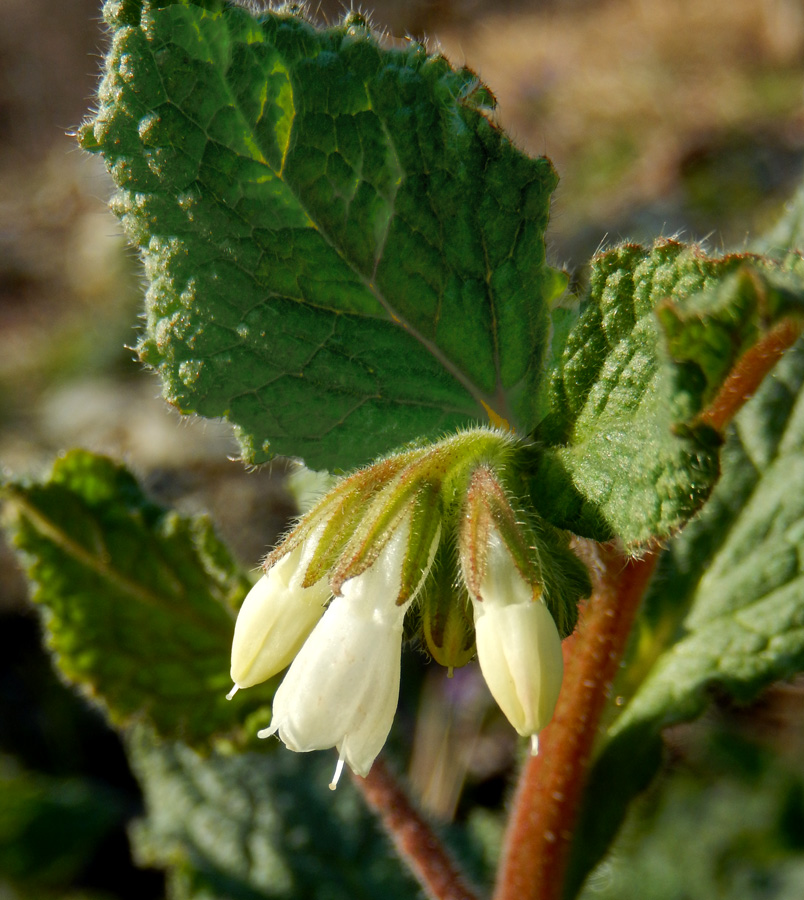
[[137, 602], [626, 452], [344, 252], [258, 825], [725, 611]]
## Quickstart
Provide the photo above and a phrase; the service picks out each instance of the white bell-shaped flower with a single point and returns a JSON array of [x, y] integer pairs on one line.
[[518, 645], [343, 686], [276, 618]]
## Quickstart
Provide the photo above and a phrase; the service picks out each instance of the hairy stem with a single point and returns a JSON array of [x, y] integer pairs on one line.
[[747, 375], [551, 785], [416, 843]]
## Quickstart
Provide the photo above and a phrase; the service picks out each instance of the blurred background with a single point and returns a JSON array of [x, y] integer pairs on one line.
[[673, 117]]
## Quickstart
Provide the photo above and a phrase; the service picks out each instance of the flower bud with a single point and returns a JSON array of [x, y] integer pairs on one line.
[[518, 645], [446, 619], [275, 619]]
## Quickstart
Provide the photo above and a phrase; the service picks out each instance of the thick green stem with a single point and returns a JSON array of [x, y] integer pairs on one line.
[[550, 788], [415, 841]]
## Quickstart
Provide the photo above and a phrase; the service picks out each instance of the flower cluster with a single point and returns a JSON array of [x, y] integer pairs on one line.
[[335, 594]]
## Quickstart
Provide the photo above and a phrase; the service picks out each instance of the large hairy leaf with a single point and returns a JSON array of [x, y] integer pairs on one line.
[[343, 251], [663, 328]]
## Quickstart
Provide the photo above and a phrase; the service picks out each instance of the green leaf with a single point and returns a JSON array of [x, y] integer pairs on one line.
[[725, 611], [745, 628], [50, 828], [344, 252], [258, 825], [138, 603], [732, 812], [707, 335], [662, 329]]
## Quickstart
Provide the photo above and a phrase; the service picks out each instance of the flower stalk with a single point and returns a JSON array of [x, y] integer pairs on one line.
[[551, 785], [416, 843]]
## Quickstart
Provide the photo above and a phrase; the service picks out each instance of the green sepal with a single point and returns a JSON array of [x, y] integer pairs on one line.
[[385, 511], [425, 529], [564, 577], [342, 510], [446, 619], [541, 553], [486, 507]]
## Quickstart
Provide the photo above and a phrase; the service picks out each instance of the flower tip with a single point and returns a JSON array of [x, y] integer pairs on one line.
[[233, 691], [336, 777], [266, 732], [534, 745]]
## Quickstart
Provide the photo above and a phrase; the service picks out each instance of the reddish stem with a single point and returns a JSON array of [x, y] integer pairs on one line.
[[550, 788], [415, 841], [552, 783], [747, 374]]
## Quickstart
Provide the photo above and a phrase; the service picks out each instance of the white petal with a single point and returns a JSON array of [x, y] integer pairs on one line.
[[342, 688], [519, 651], [274, 621]]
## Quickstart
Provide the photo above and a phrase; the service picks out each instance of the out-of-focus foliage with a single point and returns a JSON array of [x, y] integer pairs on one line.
[[728, 822], [138, 602], [50, 827], [258, 825]]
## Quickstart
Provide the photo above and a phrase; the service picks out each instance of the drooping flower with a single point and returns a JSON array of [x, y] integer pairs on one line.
[[518, 645], [276, 618], [343, 686], [337, 590]]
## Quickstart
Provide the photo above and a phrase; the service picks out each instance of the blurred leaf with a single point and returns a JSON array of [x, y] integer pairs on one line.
[[138, 603], [732, 814], [725, 611], [258, 825], [626, 456], [788, 233], [344, 252], [51, 827]]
